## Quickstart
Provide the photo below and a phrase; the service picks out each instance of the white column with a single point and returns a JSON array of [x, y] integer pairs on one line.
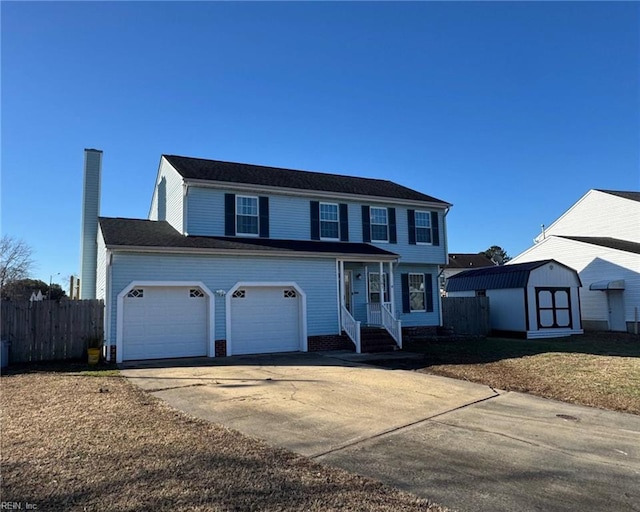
[[341, 288], [381, 284], [391, 290]]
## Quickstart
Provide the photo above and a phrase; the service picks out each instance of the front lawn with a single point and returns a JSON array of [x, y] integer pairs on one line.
[[89, 440], [594, 369]]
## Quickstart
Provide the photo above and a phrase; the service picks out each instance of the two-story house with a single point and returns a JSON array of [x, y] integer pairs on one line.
[[245, 259]]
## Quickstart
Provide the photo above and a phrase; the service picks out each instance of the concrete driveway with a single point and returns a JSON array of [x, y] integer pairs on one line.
[[464, 445]]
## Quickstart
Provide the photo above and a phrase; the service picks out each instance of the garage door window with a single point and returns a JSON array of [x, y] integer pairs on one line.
[[196, 293], [136, 293], [290, 294], [239, 294]]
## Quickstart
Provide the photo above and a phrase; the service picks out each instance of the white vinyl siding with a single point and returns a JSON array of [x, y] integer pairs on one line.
[[168, 197], [101, 268], [599, 214], [379, 224], [329, 221]]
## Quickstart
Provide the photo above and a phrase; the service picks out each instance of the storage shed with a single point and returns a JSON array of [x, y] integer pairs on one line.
[[537, 298]]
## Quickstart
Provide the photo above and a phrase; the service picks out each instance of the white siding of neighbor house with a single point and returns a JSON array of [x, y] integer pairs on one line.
[[593, 263], [168, 197], [101, 268], [316, 277], [290, 218], [599, 214]]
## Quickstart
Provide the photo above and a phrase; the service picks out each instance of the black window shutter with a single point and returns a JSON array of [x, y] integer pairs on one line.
[[263, 209], [393, 236], [406, 300], [230, 215], [428, 288], [435, 229], [315, 220], [344, 222], [411, 218], [366, 224]]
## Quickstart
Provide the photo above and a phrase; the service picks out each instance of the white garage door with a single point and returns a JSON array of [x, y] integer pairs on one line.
[[265, 319], [164, 321]]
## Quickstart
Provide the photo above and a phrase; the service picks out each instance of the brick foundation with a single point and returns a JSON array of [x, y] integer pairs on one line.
[[329, 342], [420, 331], [221, 348]]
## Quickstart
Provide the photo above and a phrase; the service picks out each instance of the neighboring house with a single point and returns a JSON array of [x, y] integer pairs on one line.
[[599, 236], [538, 299], [459, 262], [243, 259]]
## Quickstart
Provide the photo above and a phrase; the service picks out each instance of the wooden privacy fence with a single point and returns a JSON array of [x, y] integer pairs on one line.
[[466, 315], [50, 330]]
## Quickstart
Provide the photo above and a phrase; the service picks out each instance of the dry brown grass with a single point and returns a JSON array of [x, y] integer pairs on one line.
[[68, 446], [596, 369]]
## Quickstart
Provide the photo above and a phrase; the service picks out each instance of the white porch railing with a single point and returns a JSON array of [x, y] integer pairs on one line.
[[352, 327], [393, 326], [374, 314]]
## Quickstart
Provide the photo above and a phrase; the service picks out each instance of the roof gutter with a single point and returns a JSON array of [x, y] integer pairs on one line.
[[244, 252], [226, 185]]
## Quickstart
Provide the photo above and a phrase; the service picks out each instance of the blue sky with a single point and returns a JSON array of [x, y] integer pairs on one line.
[[509, 110]]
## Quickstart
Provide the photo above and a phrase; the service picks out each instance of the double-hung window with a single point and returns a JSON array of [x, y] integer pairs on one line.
[[247, 215], [379, 224], [423, 227], [416, 292], [374, 287], [329, 221]]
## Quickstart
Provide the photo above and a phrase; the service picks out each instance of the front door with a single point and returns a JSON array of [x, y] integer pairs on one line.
[[616, 310], [348, 290]]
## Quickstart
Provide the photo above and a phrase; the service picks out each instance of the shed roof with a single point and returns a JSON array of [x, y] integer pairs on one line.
[[232, 172], [139, 233], [493, 278]]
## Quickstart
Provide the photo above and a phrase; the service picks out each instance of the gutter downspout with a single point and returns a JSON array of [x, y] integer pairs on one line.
[[107, 304], [446, 258]]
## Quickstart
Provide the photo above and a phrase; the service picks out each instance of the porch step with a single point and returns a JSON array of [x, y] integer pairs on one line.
[[375, 339]]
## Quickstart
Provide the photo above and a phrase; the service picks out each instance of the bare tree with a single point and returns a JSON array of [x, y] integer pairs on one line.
[[15, 259]]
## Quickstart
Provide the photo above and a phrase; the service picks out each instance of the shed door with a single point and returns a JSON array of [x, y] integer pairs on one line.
[[554, 307], [164, 321], [265, 319]]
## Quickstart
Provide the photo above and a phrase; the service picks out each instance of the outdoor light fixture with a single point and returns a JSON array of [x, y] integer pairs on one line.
[[358, 276], [221, 293]]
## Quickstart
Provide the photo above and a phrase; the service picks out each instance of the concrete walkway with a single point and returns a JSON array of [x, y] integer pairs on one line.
[[463, 445]]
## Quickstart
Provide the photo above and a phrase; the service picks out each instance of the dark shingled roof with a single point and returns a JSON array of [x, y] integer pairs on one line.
[[634, 196], [458, 260], [215, 170], [493, 278], [148, 233], [605, 241]]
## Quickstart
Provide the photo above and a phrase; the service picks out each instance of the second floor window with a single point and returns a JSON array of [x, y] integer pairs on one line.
[[329, 221], [423, 227], [379, 225], [246, 215]]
